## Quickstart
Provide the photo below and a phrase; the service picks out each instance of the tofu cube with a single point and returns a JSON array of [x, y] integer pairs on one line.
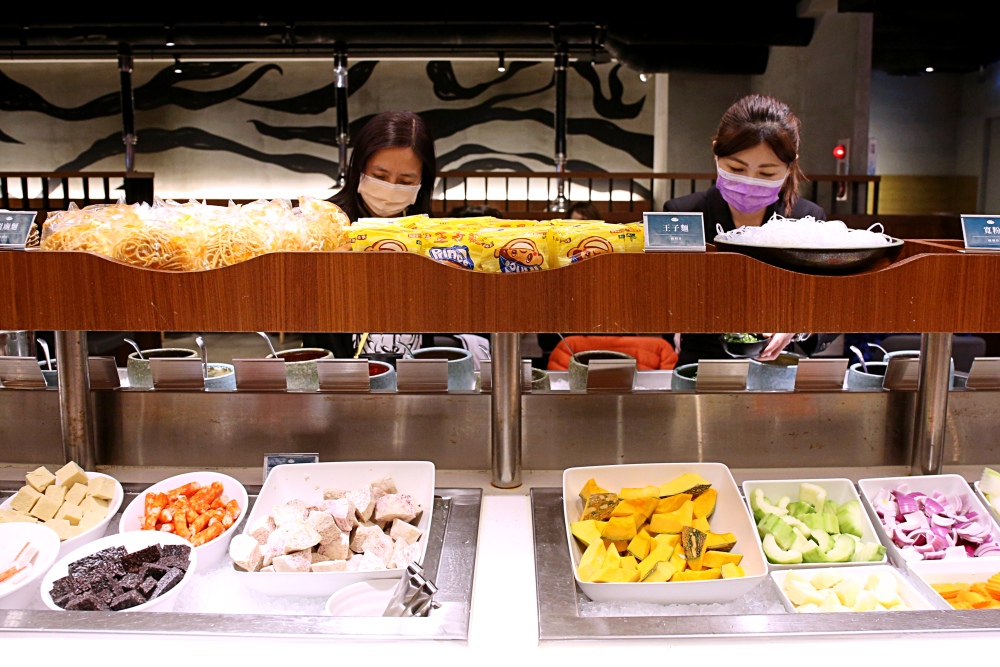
[[56, 493], [71, 474], [404, 531], [70, 512], [245, 552], [62, 528], [76, 494], [92, 504], [364, 502], [395, 506], [91, 518], [40, 479], [329, 566], [297, 561], [45, 508], [102, 488], [338, 549], [24, 499]]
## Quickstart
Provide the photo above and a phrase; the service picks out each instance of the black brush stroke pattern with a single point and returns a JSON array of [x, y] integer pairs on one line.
[[608, 107], [317, 101], [446, 85], [324, 135], [161, 90], [7, 139], [158, 140], [602, 186], [466, 150]]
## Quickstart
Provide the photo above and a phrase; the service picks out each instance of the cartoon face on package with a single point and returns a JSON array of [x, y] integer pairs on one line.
[[385, 239], [569, 244], [517, 250]]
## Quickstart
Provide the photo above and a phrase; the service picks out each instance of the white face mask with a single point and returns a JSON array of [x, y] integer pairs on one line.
[[386, 200]]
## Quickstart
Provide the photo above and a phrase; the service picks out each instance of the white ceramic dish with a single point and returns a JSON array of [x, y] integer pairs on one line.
[[132, 541], [986, 501], [306, 482], [838, 489], [947, 484], [13, 536], [213, 551], [365, 598], [96, 531], [731, 516], [907, 592], [957, 571]]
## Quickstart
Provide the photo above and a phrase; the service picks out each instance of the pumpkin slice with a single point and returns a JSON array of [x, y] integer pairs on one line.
[[612, 559], [629, 563], [620, 529], [661, 573], [693, 543], [661, 553], [617, 575], [673, 539], [592, 561], [720, 558], [701, 575], [701, 523], [678, 561], [589, 489], [587, 531], [672, 503], [732, 571], [687, 483], [704, 504], [672, 522], [599, 507], [720, 541], [640, 546], [631, 493]]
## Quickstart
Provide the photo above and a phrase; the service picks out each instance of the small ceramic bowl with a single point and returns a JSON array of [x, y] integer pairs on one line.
[[365, 598], [140, 374], [579, 366], [744, 350], [19, 592], [684, 378], [859, 380], [300, 367], [220, 377], [461, 367], [540, 380], [51, 376], [381, 375]]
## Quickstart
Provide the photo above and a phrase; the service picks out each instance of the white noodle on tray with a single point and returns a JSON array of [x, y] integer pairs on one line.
[[807, 232]]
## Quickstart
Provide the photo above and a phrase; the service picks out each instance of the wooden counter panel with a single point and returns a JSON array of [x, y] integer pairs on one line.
[[930, 288]]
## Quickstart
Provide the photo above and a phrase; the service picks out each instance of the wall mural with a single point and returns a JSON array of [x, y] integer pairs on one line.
[[263, 129]]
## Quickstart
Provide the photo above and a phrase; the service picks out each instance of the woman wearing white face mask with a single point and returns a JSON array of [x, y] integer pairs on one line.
[[391, 171], [756, 153], [390, 174]]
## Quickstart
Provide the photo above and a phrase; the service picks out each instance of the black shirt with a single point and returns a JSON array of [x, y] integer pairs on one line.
[[716, 212]]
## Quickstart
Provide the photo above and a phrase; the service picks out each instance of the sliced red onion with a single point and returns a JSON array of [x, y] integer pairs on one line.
[[987, 550], [941, 521], [907, 504], [956, 552], [932, 506]]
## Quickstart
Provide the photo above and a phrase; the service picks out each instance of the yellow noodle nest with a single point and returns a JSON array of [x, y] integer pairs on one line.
[[189, 237]]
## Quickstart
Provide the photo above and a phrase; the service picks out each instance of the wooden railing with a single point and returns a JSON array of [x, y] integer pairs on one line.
[[51, 190], [635, 189]]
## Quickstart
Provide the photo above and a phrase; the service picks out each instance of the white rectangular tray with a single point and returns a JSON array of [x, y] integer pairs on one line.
[[985, 501], [907, 591], [947, 484], [730, 516], [838, 489], [957, 571]]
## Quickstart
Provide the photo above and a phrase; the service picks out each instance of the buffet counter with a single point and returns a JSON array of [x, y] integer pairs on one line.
[[505, 614]]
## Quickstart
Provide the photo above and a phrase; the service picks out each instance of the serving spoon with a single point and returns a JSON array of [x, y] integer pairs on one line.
[[856, 351], [204, 355], [268, 339], [136, 346], [45, 351]]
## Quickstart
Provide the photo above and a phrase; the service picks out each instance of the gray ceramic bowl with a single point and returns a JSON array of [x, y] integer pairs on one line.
[[51, 377], [540, 380], [300, 367], [953, 381], [579, 365], [139, 373], [858, 380], [776, 375], [461, 368], [221, 377], [684, 378], [384, 376]]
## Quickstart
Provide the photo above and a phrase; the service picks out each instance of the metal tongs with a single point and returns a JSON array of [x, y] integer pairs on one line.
[[414, 596]]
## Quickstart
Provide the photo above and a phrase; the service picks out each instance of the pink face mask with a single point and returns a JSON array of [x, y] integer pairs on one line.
[[747, 194]]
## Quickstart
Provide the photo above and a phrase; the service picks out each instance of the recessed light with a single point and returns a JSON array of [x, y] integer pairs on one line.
[[928, 69]]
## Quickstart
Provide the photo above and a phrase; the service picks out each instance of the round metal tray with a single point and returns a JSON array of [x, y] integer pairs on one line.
[[821, 261]]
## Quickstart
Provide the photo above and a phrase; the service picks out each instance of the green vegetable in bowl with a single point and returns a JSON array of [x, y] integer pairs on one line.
[[742, 338]]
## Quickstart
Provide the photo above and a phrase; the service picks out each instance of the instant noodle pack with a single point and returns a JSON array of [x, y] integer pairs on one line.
[[169, 236], [493, 245]]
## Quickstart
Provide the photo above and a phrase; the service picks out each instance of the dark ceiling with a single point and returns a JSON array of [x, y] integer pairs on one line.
[[720, 38]]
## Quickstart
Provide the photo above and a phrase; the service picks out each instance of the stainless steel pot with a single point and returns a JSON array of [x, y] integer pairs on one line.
[[17, 343]]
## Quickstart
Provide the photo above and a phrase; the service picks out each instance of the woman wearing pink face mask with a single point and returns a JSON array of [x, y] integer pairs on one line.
[[756, 153], [391, 171]]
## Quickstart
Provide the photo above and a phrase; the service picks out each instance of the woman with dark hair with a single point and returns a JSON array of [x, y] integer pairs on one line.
[[392, 168], [756, 151]]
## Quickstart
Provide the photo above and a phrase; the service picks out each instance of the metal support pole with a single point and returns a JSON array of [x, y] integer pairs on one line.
[[932, 404], [505, 403], [562, 62], [341, 91], [128, 104], [75, 411]]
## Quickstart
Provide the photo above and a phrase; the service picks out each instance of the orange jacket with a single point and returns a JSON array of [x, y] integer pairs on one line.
[[651, 354]]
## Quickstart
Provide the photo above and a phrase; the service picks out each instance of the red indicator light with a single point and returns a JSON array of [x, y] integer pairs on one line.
[[839, 151]]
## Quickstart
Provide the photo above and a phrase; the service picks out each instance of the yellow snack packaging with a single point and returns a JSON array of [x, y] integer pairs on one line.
[[450, 245], [571, 243], [510, 250], [385, 238]]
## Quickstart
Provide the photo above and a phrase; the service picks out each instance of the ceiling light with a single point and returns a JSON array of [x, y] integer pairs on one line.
[[177, 65], [169, 41], [501, 67], [928, 69], [643, 77]]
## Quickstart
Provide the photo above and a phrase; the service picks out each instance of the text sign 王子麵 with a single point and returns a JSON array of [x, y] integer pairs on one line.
[[981, 232], [15, 227], [673, 231]]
